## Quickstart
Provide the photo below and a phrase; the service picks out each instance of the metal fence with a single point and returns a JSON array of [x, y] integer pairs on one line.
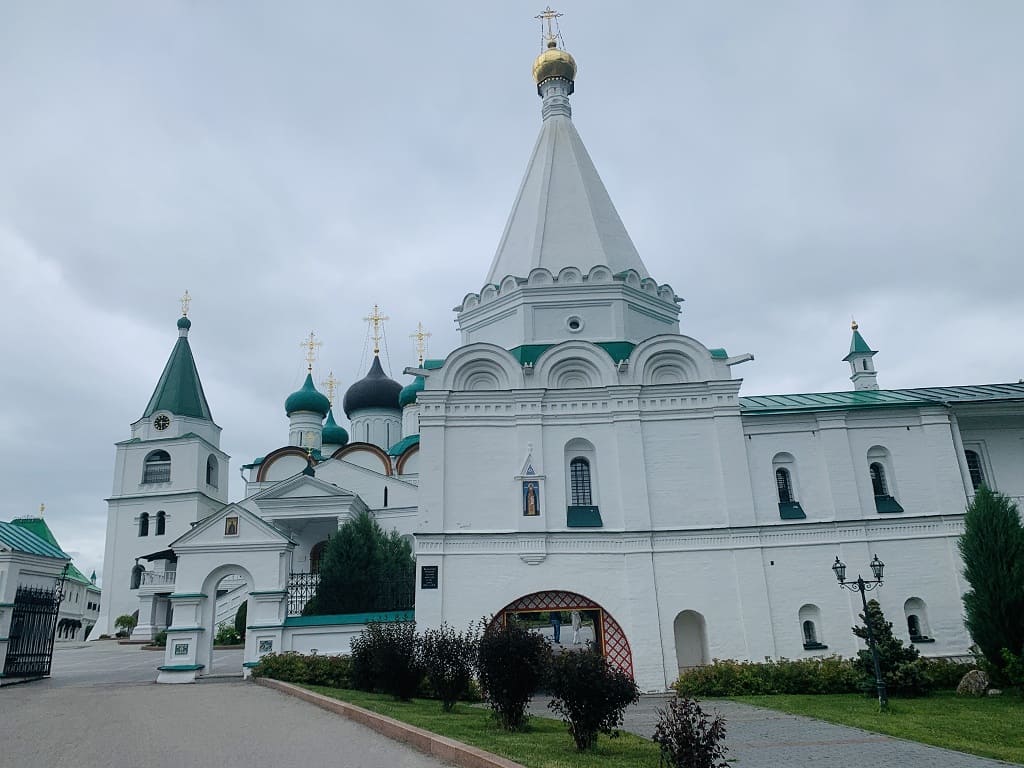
[[391, 595]]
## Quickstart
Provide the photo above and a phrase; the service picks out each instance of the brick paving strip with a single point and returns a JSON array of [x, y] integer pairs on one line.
[[441, 747]]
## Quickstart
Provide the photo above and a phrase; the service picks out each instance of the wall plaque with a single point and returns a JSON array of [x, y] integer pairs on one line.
[[181, 649], [428, 577]]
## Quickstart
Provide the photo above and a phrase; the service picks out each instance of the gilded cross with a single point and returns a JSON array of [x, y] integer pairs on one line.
[[377, 319], [42, 508], [185, 301], [331, 385], [551, 17], [421, 337], [311, 345]]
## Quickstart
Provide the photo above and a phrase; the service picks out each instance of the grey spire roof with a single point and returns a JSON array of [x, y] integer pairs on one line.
[[563, 215], [179, 390]]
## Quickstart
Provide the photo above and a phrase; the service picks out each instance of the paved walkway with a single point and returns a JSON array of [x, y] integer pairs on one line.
[[764, 738], [229, 724]]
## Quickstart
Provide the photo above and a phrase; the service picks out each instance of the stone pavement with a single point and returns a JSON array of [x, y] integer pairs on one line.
[[764, 738]]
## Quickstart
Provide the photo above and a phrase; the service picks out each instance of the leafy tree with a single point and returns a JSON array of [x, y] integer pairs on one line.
[[125, 624], [364, 569], [903, 669], [992, 549], [590, 694]]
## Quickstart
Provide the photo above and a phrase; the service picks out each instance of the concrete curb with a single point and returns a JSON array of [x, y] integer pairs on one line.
[[441, 747]]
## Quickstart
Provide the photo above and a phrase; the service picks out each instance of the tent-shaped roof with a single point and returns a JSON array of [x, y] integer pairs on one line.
[[20, 539], [38, 527], [179, 389]]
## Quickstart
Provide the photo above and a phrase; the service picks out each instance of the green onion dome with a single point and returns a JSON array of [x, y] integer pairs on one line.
[[184, 323], [307, 399], [333, 434], [408, 394], [375, 390]]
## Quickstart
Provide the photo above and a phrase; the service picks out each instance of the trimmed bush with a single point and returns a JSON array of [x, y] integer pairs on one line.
[[830, 674], [386, 658], [513, 663], [314, 669], [240, 619], [590, 694], [689, 737], [449, 659], [160, 638]]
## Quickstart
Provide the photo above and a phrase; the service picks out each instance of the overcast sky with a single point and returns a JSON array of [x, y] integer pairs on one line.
[[782, 165]]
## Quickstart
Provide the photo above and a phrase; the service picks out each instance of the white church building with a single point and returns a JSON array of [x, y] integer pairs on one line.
[[576, 451]]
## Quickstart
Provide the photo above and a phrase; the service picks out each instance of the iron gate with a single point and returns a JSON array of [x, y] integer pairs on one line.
[[33, 624]]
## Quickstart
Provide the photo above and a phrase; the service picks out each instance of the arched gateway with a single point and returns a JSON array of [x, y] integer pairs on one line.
[[611, 640]]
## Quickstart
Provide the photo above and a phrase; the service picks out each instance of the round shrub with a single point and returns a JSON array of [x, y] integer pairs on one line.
[[689, 737], [386, 658], [513, 662], [449, 659], [590, 694]]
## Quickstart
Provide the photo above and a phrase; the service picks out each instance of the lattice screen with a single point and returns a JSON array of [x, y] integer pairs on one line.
[[616, 647]]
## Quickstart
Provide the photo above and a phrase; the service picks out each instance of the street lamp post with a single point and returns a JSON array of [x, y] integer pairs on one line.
[[839, 569]]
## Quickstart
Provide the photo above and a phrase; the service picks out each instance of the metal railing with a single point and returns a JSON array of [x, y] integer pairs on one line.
[[392, 595], [155, 578]]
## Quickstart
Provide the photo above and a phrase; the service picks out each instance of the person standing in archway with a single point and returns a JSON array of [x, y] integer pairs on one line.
[[555, 617], [577, 622]]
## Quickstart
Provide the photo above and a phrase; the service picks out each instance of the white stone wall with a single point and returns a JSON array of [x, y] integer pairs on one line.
[[380, 426]]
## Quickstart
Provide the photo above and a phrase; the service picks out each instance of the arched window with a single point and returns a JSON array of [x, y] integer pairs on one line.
[[810, 633], [974, 467], [810, 624], [144, 524], [784, 484], [211, 471], [157, 468], [917, 620], [316, 556], [161, 523], [579, 482], [137, 571], [878, 484]]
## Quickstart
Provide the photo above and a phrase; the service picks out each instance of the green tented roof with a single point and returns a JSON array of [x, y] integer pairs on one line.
[[719, 354], [179, 389], [38, 527], [21, 539], [403, 445], [529, 353], [858, 346], [878, 398]]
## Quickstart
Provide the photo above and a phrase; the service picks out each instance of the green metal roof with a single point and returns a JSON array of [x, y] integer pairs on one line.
[[179, 389], [21, 539], [332, 433], [403, 445], [719, 354], [38, 527], [529, 353], [878, 398], [307, 398], [858, 346], [408, 394]]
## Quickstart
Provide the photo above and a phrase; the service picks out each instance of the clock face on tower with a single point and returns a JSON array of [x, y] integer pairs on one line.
[[161, 422]]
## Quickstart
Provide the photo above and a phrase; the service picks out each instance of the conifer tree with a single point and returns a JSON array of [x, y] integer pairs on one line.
[[992, 549], [364, 569], [901, 666]]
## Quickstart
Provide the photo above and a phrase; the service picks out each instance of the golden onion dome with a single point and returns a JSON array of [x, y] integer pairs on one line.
[[554, 62]]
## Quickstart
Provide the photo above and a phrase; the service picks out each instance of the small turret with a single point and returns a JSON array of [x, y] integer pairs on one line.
[[862, 367]]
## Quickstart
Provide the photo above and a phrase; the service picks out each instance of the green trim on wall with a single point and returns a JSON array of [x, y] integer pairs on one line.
[[886, 505], [181, 667], [6, 605], [349, 618], [791, 510], [265, 626], [529, 353], [184, 595], [270, 592], [185, 629], [250, 664]]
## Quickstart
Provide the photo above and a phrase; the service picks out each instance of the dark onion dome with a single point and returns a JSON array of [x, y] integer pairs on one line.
[[408, 394], [184, 323], [307, 399], [375, 390], [332, 433]]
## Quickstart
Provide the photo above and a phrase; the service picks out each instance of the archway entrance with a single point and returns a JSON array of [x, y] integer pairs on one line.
[[226, 588], [608, 637]]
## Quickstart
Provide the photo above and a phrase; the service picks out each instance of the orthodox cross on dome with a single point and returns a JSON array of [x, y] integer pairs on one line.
[[421, 337], [186, 299], [376, 319], [311, 345], [42, 508], [331, 385], [553, 33]]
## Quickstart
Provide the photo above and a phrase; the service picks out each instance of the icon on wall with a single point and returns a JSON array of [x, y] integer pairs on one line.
[[230, 526], [531, 498]]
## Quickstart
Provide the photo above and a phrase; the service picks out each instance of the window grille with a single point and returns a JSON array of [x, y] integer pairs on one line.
[[878, 479], [157, 468], [810, 633], [974, 467], [579, 482], [784, 483]]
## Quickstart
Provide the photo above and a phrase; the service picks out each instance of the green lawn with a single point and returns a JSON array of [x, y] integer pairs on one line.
[[989, 727], [546, 745]]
